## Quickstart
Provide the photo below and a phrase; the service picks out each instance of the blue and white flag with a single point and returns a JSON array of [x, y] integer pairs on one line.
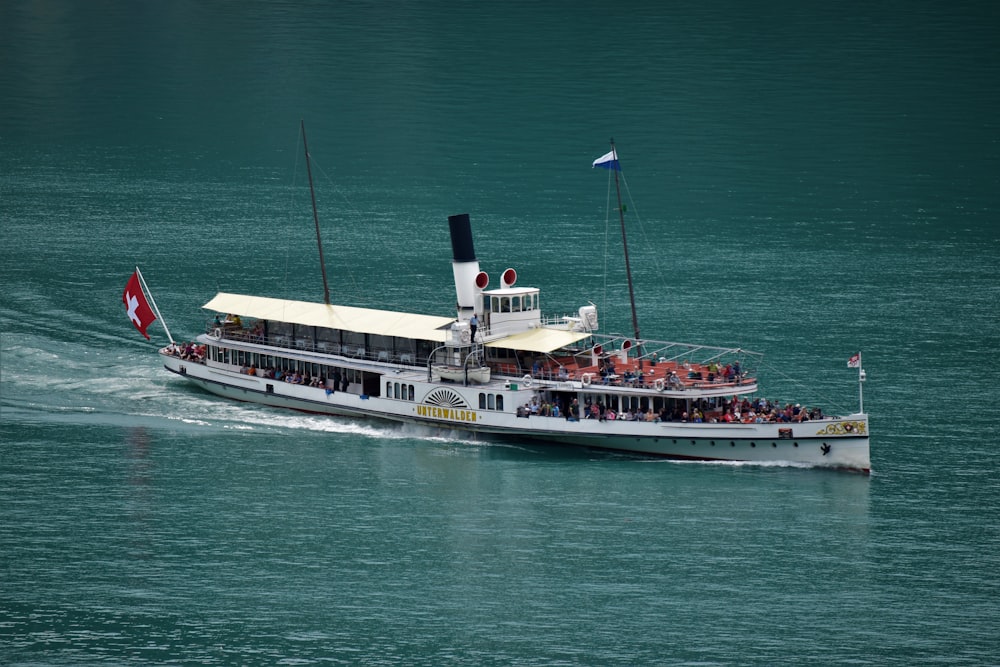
[[607, 161]]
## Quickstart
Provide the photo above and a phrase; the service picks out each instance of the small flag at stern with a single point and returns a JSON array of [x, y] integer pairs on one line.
[[854, 361]]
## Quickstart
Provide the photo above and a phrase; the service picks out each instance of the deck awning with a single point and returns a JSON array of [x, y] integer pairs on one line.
[[345, 318], [539, 340]]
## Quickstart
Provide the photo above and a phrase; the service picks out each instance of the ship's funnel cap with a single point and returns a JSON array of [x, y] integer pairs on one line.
[[461, 238]]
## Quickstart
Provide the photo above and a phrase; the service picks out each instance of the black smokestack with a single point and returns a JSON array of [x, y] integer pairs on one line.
[[461, 238]]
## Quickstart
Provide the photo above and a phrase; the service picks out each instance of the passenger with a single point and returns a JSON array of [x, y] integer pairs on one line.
[[673, 381], [563, 375], [473, 326]]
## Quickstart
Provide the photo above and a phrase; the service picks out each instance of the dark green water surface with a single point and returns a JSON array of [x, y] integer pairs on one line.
[[804, 181]]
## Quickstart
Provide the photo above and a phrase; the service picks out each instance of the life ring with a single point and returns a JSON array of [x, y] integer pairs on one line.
[[526, 380], [466, 336], [659, 384], [587, 377], [218, 333]]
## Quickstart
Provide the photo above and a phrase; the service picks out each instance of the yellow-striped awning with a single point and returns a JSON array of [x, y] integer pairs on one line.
[[347, 318]]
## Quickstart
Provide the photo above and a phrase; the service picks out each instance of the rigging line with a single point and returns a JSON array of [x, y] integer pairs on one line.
[[291, 215], [802, 385], [336, 189], [647, 241], [354, 209], [607, 246]]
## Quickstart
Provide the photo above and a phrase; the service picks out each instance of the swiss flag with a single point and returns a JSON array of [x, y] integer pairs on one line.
[[136, 306]]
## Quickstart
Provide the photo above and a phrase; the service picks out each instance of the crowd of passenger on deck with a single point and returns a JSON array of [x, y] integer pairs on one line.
[[187, 351], [735, 410], [713, 372]]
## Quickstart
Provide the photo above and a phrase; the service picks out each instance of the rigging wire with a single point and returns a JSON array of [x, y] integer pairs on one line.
[[343, 268], [803, 386]]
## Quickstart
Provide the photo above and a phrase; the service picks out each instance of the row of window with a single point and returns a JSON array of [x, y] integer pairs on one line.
[[335, 340], [491, 401], [512, 304], [403, 392], [245, 359]]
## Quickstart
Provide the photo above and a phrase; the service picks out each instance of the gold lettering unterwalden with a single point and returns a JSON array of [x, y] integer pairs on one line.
[[450, 414]]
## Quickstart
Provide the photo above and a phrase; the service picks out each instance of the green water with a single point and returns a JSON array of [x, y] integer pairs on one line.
[[804, 182]]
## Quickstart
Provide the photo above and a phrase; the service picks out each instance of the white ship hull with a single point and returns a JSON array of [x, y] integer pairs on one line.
[[836, 442]]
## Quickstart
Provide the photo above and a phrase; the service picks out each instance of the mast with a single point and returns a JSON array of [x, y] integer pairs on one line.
[[319, 243], [628, 268]]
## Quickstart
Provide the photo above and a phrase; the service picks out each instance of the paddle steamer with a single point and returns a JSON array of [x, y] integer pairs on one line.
[[498, 367], [556, 380]]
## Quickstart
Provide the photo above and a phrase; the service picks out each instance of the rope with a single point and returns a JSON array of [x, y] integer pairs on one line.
[[802, 385]]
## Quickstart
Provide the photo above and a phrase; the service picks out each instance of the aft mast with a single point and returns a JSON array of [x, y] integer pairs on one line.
[[319, 243], [628, 268]]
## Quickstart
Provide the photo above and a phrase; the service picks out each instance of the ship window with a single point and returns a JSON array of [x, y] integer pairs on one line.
[[491, 402], [505, 304], [482, 401], [411, 392], [500, 402], [515, 304], [388, 388], [395, 390]]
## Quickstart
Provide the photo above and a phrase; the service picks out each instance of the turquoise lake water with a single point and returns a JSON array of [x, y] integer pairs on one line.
[[803, 181]]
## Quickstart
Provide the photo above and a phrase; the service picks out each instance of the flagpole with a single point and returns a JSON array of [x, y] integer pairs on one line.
[[145, 288], [861, 384]]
